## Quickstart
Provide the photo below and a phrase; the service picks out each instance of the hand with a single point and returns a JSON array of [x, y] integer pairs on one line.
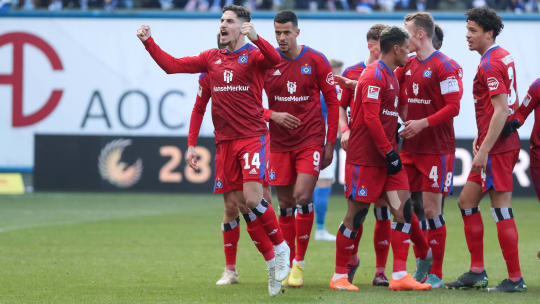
[[345, 139], [479, 162], [413, 127], [345, 83], [285, 120], [248, 30], [192, 158], [510, 127], [393, 163], [328, 155], [475, 146], [144, 32]]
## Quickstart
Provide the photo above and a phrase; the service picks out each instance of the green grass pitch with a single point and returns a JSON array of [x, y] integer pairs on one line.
[[152, 248]]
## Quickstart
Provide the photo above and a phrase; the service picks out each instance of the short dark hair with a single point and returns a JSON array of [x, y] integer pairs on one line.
[[240, 11], [392, 35], [374, 33], [422, 20], [487, 19], [286, 16], [438, 37]]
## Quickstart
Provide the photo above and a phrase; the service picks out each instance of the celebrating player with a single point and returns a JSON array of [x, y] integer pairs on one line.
[[230, 226], [237, 74], [432, 89], [383, 230], [496, 101], [530, 102], [297, 155], [373, 168]]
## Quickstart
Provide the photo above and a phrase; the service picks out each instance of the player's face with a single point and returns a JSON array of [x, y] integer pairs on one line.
[[374, 48], [286, 34], [413, 32], [229, 28], [477, 39], [402, 53]]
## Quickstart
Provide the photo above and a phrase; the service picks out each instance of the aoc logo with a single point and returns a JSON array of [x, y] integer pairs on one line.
[[115, 171], [19, 41]]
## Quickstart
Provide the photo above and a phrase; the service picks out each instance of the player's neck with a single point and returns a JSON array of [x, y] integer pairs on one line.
[[485, 48], [425, 51], [236, 45], [389, 62], [293, 52], [371, 59]]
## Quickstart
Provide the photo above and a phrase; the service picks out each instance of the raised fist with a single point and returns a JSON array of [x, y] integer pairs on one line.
[[248, 30], [144, 32]]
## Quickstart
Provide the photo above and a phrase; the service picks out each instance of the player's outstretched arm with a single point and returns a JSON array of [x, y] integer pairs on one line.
[[169, 64], [500, 113]]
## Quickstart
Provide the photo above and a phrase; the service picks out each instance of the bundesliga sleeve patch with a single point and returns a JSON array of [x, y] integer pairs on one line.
[[373, 92], [492, 83], [449, 85], [330, 78], [199, 92], [527, 100]]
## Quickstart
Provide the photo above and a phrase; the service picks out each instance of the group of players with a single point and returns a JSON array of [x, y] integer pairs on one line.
[[423, 90]]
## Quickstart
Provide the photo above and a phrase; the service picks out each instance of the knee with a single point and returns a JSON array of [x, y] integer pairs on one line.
[[302, 198], [430, 211]]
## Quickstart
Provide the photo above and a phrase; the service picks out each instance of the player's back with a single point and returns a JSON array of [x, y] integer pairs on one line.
[[236, 84], [377, 84], [530, 103], [293, 86], [426, 84], [495, 75]]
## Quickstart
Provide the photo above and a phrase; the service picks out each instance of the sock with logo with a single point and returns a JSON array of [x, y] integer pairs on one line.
[[381, 236], [437, 242], [267, 216], [344, 248], [304, 223], [231, 235], [353, 260], [287, 224], [401, 238], [508, 239], [258, 236]]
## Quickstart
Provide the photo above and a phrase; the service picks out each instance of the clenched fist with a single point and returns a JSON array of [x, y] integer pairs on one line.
[[248, 30], [144, 32]]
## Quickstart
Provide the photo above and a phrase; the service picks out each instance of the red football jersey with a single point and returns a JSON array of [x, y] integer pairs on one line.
[[432, 88], [294, 86], [237, 80], [496, 74], [352, 72], [532, 102], [377, 85]]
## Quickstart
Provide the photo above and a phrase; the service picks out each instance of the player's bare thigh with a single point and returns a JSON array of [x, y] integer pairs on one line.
[[353, 208], [253, 194], [303, 189], [500, 199], [470, 195], [432, 203], [233, 202]]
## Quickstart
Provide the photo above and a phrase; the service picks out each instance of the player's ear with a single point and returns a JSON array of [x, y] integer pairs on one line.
[[297, 32]]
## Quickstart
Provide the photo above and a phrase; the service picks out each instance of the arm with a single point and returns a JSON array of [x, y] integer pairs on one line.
[[344, 127], [268, 56], [500, 113], [195, 64], [197, 115], [283, 119], [527, 106]]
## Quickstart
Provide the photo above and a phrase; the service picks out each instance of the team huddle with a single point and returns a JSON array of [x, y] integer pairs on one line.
[[364, 105]]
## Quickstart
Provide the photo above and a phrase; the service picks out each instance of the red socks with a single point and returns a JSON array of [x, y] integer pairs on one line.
[[417, 237], [259, 237], [231, 235], [382, 235], [287, 224], [345, 248], [437, 242], [304, 223], [508, 239], [474, 234], [400, 245], [267, 216]]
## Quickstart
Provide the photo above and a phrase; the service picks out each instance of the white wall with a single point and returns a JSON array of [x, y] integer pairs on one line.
[[104, 55]]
